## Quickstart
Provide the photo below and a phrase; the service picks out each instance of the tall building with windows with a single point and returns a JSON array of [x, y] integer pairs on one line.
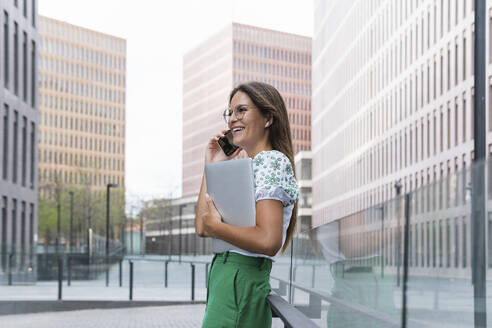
[[82, 105], [19, 41], [392, 99], [241, 53]]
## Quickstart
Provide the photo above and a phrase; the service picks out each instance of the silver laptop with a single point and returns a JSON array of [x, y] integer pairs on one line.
[[231, 186]]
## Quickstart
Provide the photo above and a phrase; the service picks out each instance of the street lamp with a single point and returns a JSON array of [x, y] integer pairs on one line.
[[398, 185], [71, 221], [58, 217], [108, 186]]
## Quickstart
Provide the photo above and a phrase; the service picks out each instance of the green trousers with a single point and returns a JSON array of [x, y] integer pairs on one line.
[[237, 291]]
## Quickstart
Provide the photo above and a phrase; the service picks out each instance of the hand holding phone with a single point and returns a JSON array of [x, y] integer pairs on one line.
[[226, 144]]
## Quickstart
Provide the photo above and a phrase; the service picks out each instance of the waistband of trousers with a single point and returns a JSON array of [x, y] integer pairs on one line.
[[260, 262]]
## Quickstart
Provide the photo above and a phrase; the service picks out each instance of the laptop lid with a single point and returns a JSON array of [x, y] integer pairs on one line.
[[231, 186]]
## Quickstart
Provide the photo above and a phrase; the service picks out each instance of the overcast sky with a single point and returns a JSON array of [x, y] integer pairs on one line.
[[158, 33]]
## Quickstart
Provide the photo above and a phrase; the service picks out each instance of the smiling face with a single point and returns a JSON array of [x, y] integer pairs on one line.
[[250, 132]]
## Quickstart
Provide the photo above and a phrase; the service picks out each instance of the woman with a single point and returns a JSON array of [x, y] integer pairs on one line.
[[239, 281]]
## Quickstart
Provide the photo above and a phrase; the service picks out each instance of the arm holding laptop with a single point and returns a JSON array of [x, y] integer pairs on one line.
[[264, 238]]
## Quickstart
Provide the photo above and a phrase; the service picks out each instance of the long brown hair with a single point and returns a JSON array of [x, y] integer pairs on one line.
[[271, 105]]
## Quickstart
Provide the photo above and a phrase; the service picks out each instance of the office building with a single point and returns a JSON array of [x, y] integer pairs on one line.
[[392, 99], [237, 54], [82, 104], [18, 139]]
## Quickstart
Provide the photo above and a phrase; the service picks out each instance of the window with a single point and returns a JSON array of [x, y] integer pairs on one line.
[[449, 127], [24, 150], [456, 63], [23, 233], [5, 156], [24, 8], [456, 118], [441, 145], [441, 73], [4, 234], [14, 224], [464, 57], [464, 117], [449, 15], [16, 58], [33, 12], [16, 141], [449, 68], [6, 62], [24, 65], [31, 228], [33, 74]]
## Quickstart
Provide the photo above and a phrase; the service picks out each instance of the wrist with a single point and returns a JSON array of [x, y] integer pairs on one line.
[[215, 229]]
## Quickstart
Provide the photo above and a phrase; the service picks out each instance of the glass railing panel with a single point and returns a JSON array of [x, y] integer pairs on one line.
[[439, 288], [352, 266], [281, 272]]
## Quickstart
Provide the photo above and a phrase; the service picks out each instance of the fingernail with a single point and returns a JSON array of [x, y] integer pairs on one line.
[[207, 196]]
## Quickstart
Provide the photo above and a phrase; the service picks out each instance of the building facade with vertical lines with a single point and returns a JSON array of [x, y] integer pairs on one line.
[[237, 54], [392, 99], [82, 106], [19, 104]]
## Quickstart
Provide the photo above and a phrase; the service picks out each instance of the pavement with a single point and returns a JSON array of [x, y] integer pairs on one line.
[[176, 316]]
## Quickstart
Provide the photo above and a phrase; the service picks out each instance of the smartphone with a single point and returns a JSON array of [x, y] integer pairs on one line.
[[226, 144]]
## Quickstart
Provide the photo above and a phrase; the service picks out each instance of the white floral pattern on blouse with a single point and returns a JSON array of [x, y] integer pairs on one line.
[[274, 178]]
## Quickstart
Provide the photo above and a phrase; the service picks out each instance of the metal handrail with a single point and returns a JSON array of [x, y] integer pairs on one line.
[[316, 296], [313, 310], [290, 316]]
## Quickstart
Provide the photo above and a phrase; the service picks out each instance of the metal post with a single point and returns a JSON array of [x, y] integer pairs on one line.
[[89, 251], [192, 282], [69, 265], [107, 232], [121, 273], [406, 230], [171, 234], [71, 221], [60, 277], [131, 280], [291, 271], [58, 219], [480, 146], [108, 186], [165, 273], [142, 240]]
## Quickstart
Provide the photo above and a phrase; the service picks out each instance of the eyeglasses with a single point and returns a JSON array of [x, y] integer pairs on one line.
[[238, 112]]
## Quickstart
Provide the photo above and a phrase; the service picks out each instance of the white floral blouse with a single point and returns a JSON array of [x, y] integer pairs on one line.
[[274, 179]]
